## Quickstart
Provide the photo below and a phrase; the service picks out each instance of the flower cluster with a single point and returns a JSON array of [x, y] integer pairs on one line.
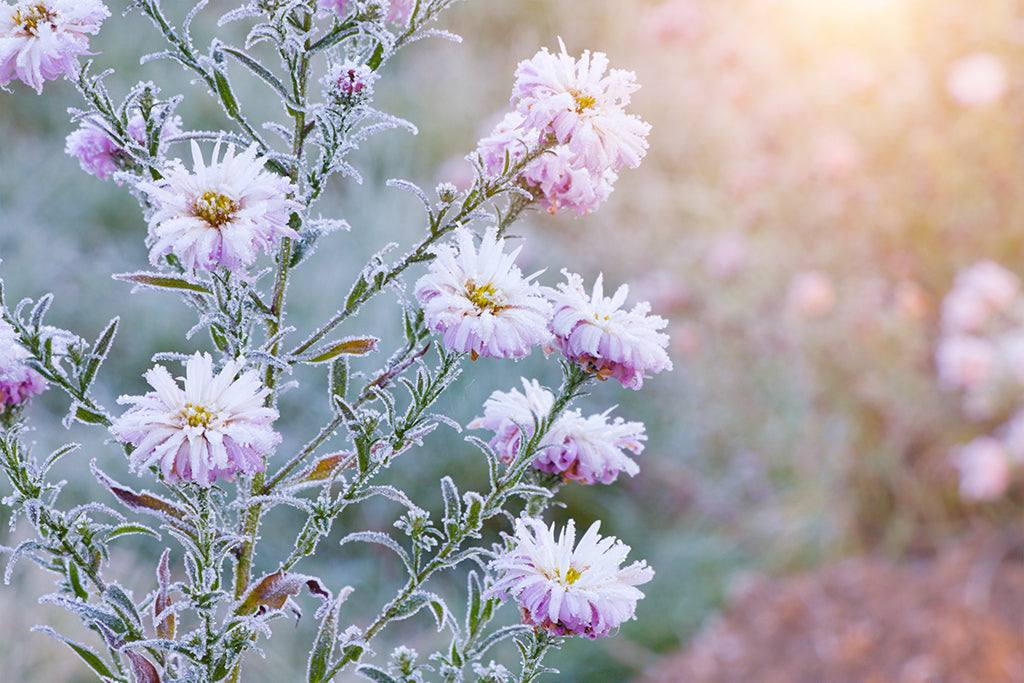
[[565, 588], [396, 11], [482, 304], [584, 449], [18, 382], [576, 108], [223, 214], [99, 155], [41, 40], [214, 427]]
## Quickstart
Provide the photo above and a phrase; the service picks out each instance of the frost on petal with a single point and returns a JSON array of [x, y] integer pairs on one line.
[[220, 215], [18, 382], [591, 450], [596, 332], [569, 588], [214, 427], [479, 301], [512, 415], [41, 40]]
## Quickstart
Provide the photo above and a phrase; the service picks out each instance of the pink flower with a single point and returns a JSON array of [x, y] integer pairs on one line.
[[18, 382], [398, 10], [216, 427], [977, 80], [512, 417], [979, 293], [42, 39], [964, 361], [219, 215], [603, 337], [811, 294], [99, 155], [564, 589], [480, 301], [582, 107], [558, 175], [590, 450], [984, 468]]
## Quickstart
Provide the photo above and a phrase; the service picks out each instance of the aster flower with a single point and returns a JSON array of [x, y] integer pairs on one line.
[[582, 106], [219, 215], [511, 416], [590, 449], [398, 11], [216, 427], [42, 39], [605, 338], [349, 83], [18, 382], [99, 155], [480, 301], [565, 589]]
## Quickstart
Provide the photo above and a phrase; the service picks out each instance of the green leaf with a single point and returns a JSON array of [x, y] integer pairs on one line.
[[374, 674], [323, 647], [88, 656], [161, 282], [355, 346], [125, 529], [88, 416], [98, 353], [220, 79], [337, 377]]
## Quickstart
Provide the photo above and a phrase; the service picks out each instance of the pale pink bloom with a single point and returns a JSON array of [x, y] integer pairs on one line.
[[223, 214], [512, 417], [99, 155], [687, 339], [590, 450], [42, 39], [596, 332], [18, 382], [558, 175], [1012, 437], [216, 427], [565, 588], [582, 106], [979, 293], [910, 300], [480, 301], [727, 256], [398, 10], [964, 361], [349, 82], [984, 467], [977, 80], [811, 294], [682, 20]]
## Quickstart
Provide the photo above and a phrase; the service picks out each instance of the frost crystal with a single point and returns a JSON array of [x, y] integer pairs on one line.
[[569, 590], [18, 382], [219, 215], [480, 301], [510, 415], [216, 427], [598, 333], [42, 39], [398, 11]]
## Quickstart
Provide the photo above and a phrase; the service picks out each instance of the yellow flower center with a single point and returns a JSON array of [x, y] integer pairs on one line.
[[215, 208], [583, 101], [483, 297], [30, 18], [196, 416], [571, 576]]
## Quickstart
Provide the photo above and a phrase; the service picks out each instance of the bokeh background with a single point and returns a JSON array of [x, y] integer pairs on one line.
[[819, 172]]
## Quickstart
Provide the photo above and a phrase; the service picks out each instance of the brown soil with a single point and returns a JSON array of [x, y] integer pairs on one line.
[[956, 618]]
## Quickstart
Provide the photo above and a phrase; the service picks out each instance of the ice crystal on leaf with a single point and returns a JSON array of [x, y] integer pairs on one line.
[[223, 214], [566, 588], [41, 40], [603, 337], [214, 427], [480, 301]]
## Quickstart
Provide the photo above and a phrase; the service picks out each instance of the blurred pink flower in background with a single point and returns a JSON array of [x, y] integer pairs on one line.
[[979, 292], [964, 361], [682, 20], [836, 155], [910, 300], [984, 467], [811, 294], [977, 80], [727, 256]]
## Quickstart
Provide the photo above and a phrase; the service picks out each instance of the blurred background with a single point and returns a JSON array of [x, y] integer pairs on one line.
[[819, 173]]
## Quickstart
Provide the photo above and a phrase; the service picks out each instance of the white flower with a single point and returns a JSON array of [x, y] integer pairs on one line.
[[42, 39], [582, 106], [562, 589], [598, 333], [216, 427], [219, 215], [480, 301], [590, 449], [511, 416]]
